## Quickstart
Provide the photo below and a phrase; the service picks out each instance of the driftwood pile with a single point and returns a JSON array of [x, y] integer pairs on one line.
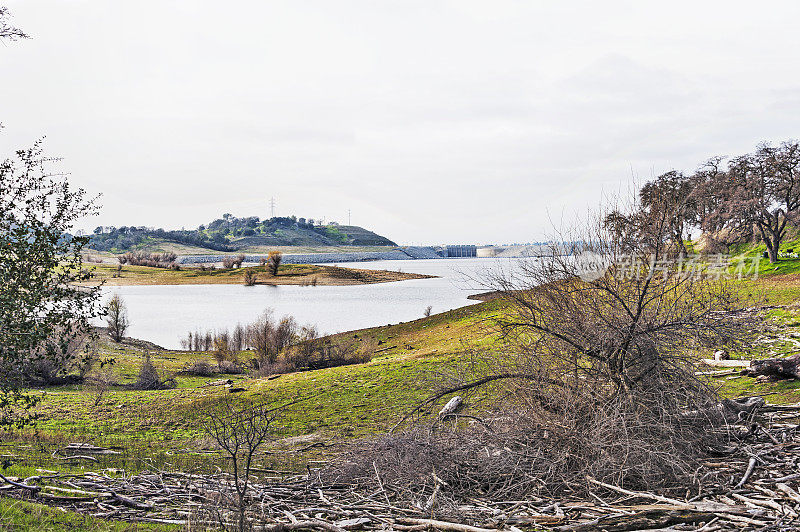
[[762, 493]]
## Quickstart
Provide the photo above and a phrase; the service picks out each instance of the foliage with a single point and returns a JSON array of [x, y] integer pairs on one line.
[[42, 316], [222, 234]]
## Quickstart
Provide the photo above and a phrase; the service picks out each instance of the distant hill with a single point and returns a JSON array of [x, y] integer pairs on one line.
[[230, 233]]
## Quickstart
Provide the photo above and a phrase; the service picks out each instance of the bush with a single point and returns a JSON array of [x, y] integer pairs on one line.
[[595, 379], [153, 260], [231, 367], [250, 277], [199, 368], [149, 379]]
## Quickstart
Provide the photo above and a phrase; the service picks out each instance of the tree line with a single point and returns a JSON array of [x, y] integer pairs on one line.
[[747, 198]]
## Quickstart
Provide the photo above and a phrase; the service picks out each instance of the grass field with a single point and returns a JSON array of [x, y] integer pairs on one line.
[[288, 274], [161, 429]]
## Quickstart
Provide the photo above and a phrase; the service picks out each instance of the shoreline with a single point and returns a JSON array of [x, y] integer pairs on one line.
[[288, 275]]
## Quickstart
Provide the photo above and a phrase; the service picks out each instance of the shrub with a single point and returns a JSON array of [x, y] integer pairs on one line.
[[199, 368], [596, 377], [222, 350], [250, 277], [154, 260], [231, 367], [149, 379]]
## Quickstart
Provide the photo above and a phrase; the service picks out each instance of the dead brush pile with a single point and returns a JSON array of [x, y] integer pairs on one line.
[[594, 381], [522, 452]]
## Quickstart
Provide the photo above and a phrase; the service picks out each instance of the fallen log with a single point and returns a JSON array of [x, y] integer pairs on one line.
[[775, 368], [640, 521], [444, 525], [88, 448], [726, 363], [20, 485], [303, 525], [130, 503]]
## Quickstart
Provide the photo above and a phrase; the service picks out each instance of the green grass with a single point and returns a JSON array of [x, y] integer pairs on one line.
[[161, 429], [16, 515], [787, 263]]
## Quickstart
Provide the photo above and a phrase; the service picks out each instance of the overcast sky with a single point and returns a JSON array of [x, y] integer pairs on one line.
[[433, 121]]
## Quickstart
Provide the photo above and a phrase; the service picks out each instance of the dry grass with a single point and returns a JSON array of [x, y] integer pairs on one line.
[[289, 274]]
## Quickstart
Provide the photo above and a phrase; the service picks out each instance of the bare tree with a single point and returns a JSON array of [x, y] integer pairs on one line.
[[670, 192], [595, 373], [117, 318], [274, 259], [260, 337], [7, 31], [238, 338], [240, 431], [222, 350], [285, 333], [760, 190]]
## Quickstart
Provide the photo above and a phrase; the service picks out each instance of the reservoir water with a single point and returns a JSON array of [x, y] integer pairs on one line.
[[165, 314]]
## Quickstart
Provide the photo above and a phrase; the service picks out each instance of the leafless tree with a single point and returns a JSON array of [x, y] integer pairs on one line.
[[208, 341], [670, 192], [238, 338], [285, 333], [240, 431], [260, 337], [7, 31], [594, 374], [274, 259], [117, 318], [222, 349], [760, 190]]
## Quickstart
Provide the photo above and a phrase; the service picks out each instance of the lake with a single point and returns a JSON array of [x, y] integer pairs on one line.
[[165, 314]]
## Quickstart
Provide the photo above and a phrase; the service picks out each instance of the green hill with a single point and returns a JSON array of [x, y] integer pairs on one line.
[[230, 233]]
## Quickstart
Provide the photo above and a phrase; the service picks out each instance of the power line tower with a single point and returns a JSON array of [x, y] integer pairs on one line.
[[272, 207], [348, 217]]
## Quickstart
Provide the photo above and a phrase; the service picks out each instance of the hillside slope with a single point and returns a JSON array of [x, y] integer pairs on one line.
[[230, 233]]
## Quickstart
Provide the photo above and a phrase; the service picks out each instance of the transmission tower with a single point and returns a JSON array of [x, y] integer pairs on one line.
[[272, 207]]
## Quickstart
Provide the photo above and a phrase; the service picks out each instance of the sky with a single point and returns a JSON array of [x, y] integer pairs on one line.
[[431, 122]]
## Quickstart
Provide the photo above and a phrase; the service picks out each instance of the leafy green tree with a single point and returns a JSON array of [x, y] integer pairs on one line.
[[42, 314]]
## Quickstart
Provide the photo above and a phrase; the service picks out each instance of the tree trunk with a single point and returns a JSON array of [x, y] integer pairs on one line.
[[775, 368], [772, 242], [773, 254]]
